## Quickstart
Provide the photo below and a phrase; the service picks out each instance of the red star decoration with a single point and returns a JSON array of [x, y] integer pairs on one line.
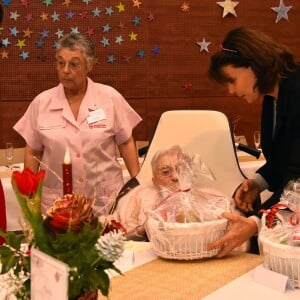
[[127, 58], [187, 86], [150, 17], [90, 31], [83, 15]]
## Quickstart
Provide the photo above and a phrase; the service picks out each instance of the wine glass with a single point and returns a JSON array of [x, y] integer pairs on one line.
[[9, 153], [256, 138]]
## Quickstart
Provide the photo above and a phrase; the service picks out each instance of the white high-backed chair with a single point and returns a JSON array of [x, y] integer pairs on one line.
[[202, 132]]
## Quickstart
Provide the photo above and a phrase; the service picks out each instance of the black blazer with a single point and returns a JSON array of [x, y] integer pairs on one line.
[[283, 151]]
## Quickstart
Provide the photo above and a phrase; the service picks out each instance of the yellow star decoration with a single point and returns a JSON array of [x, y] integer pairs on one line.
[[1, 28], [136, 3], [67, 2], [44, 16], [21, 44], [185, 7], [132, 36], [228, 7], [120, 7], [27, 33], [4, 54]]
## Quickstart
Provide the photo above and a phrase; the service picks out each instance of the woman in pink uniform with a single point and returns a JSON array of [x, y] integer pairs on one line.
[[88, 118]]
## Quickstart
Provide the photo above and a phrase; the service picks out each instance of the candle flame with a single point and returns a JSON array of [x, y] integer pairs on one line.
[[67, 159]]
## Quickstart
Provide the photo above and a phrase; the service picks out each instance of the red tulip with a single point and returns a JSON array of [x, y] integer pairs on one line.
[[28, 181]]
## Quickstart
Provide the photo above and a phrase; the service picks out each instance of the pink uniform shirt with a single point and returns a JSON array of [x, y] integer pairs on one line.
[[105, 120]]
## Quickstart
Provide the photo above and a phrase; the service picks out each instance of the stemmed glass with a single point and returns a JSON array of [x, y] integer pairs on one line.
[[256, 138], [9, 153]]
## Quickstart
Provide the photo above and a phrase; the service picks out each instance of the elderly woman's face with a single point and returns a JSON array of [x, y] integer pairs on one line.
[[72, 68], [166, 172]]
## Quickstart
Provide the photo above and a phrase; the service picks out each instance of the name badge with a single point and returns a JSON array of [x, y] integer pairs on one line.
[[95, 116]]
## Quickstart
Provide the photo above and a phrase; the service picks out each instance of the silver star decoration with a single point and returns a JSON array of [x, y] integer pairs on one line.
[[203, 45], [281, 11], [228, 7]]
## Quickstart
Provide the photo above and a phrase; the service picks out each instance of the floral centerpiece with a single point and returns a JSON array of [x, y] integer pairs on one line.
[[69, 232]]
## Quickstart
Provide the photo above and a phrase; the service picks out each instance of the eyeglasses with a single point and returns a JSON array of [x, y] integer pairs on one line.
[[228, 50], [72, 65]]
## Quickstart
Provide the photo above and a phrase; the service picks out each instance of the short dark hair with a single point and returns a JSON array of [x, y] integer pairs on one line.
[[243, 47]]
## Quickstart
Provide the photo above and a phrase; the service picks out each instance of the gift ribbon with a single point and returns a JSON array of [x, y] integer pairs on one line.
[[171, 195], [271, 214]]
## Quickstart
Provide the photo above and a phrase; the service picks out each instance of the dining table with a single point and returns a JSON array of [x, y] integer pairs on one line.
[[149, 277]]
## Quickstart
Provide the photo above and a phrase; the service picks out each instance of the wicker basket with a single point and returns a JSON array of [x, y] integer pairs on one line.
[[283, 259], [183, 241]]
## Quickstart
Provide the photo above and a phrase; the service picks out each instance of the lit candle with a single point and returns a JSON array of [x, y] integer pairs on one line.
[[67, 173]]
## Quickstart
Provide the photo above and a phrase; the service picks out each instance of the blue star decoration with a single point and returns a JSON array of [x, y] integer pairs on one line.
[[24, 55], [6, 2], [136, 21], [105, 42], [141, 53], [5, 42], [14, 31], [203, 45], [108, 11], [281, 11], [96, 12], [110, 59]]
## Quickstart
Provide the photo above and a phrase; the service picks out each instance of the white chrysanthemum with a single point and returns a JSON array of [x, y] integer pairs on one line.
[[111, 245], [11, 284]]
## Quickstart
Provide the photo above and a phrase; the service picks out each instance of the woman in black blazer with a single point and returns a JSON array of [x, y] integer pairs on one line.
[[256, 68]]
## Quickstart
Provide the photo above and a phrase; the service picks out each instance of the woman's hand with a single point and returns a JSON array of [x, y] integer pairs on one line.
[[246, 194], [240, 230]]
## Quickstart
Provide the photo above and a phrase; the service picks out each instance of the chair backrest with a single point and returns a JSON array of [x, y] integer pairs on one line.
[[202, 132]]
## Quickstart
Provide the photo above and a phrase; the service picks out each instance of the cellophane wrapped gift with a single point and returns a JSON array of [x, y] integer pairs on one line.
[[186, 220], [279, 238]]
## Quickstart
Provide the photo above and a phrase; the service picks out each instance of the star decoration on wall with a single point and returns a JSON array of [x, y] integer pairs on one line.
[[24, 55], [185, 7], [111, 59], [108, 11], [20, 44], [28, 17], [136, 3], [203, 45], [14, 15], [281, 11], [4, 54], [96, 12], [44, 16], [187, 86], [150, 17], [89, 31], [48, 2], [141, 53], [67, 3], [133, 36], [24, 3], [105, 41], [156, 50], [228, 7], [27, 33], [121, 7], [119, 40]]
